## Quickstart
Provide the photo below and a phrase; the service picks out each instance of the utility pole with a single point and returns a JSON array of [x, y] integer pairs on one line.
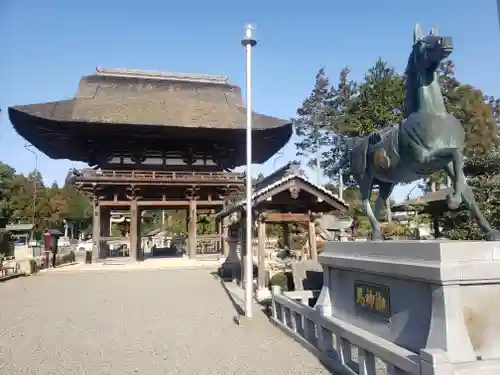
[[28, 147]]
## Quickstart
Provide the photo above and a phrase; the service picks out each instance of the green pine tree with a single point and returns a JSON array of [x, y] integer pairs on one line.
[[311, 122]]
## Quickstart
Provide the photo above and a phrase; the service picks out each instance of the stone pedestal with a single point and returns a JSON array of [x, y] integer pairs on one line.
[[231, 268], [440, 299]]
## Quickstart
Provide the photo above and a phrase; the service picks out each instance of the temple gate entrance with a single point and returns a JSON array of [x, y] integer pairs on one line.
[[152, 140]]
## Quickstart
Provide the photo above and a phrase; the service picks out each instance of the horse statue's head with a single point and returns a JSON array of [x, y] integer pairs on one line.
[[427, 53]]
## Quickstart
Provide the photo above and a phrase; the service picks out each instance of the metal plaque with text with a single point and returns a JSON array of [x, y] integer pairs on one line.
[[373, 299]]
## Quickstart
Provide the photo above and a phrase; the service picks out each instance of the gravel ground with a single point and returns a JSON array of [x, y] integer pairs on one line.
[[140, 322]]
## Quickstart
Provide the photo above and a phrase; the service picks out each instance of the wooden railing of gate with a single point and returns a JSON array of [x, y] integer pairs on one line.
[[117, 176], [342, 347], [208, 244]]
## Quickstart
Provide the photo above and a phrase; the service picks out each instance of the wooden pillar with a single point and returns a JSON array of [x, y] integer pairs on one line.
[[219, 232], [286, 235], [225, 237], [243, 247], [134, 236], [105, 221], [96, 230], [192, 229], [313, 248], [435, 226], [261, 255]]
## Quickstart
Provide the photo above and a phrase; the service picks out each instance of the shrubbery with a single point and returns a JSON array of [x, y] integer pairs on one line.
[[283, 279]]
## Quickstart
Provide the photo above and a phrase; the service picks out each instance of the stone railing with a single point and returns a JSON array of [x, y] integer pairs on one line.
[[342, 347], [401, 307], [31, 265]]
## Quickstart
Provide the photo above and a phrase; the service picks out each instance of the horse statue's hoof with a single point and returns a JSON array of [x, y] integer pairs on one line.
[[494, 235], [453, 201]]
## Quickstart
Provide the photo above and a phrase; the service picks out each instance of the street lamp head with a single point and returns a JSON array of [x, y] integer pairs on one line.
[[249, 40], [248, 32]]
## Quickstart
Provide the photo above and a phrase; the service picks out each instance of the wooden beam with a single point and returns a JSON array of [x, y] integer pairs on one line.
[[333, 203], [279, 217], [115, 203], [313, 247], [160, 203], [178, 203]]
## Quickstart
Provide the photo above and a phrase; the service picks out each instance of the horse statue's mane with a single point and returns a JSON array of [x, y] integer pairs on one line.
[[409, 87]]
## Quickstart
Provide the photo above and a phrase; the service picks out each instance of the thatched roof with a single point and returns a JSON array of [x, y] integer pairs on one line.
[[146, 98], [163, 102]]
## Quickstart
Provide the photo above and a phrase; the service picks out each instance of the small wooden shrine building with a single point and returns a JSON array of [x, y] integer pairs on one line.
[[285, 196], [432, 203], [152, 140]]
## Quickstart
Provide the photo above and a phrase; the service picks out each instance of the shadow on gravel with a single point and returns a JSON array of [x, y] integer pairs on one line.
[[265, 308], [239, 310]]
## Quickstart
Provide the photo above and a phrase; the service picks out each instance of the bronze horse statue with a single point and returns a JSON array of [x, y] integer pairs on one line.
[[429, 139]]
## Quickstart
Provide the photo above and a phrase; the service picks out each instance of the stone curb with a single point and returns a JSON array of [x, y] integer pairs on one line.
[[57, 267], [11, 276], [121, 268]]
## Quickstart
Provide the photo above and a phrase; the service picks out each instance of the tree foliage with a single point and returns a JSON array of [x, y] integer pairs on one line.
[[379, 102], [332, 113], [311, 123], [479, 115], [26, 199], [484, 178]]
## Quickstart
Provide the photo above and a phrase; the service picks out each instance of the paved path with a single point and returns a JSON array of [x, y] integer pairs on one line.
[[139, 322]]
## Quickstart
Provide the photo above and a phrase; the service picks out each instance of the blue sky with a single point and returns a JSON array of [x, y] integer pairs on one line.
[[46, 46]]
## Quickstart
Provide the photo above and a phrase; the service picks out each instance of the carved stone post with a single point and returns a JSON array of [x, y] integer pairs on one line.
[[96, 229], [135, 221], [313, 248], [261, 254]]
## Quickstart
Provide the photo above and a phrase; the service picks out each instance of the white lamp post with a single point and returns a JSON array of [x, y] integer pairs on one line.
[[498, 10], [248, 42]]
